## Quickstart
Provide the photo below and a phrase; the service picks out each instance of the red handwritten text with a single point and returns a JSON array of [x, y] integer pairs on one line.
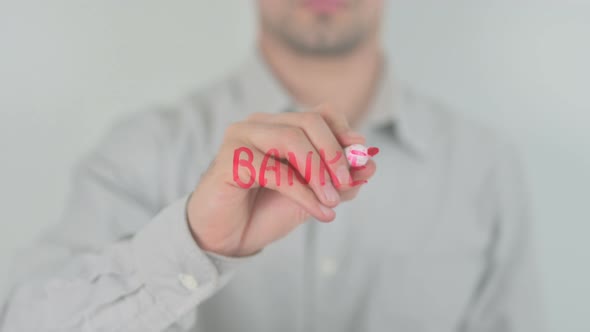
[[271, 163]]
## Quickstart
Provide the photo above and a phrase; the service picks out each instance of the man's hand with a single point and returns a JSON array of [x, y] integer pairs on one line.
[[227, 219]]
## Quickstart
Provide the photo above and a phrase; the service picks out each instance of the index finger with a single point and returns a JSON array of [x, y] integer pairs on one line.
[[339, 126], [331, 153]]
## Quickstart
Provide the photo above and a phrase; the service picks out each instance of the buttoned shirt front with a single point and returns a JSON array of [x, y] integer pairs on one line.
[[438, 240]]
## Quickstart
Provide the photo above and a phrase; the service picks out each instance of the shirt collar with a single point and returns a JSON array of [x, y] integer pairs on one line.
[[395, 106], [410, 119]]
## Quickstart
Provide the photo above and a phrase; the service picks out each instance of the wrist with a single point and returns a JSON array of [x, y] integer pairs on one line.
[[204, 240]]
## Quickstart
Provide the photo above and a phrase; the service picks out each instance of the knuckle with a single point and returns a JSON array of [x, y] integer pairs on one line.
[[232, 129], [338, 116], [348, 197], [311, 118], [256, 116], [292, 134]]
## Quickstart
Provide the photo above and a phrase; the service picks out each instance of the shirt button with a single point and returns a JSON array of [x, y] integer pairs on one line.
[[328, 267], [189, 282]]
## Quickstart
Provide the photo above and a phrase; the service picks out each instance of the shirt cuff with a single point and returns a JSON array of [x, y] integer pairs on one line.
[[177, 273], [226, 265]]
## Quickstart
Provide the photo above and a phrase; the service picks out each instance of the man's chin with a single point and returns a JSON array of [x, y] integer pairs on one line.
[[324, 7], [325, 47]]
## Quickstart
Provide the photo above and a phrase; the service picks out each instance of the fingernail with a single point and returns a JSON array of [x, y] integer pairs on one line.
[[330, 193], [342, 174], [326, 210]]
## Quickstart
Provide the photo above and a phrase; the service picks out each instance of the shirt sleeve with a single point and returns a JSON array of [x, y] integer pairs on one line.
[[508, 297], [117, 260]]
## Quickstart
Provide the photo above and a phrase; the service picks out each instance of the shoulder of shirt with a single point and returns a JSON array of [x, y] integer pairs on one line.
[[136, 146], [194, 113]]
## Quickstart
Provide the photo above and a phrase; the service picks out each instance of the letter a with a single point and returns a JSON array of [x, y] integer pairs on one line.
[[274, 153]]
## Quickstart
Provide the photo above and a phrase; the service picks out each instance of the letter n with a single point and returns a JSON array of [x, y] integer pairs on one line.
[[294, 168]]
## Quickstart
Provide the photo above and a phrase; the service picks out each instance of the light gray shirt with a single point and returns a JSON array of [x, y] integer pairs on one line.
[[437, 241]]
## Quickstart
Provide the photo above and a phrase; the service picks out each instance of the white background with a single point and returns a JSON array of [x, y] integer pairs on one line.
[[69, 68]]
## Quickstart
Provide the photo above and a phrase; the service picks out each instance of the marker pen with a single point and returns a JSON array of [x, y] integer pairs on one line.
[[358, 155]]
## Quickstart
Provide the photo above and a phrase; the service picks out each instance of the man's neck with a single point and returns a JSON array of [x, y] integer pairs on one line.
[[347, 83]]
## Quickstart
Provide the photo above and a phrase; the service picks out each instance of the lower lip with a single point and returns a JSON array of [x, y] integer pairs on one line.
[[324, 6]]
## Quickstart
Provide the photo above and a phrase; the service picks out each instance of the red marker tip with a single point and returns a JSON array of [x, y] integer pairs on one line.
[[372, 151]]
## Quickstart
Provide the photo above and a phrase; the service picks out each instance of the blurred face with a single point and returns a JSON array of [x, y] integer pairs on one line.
[[321, 27]]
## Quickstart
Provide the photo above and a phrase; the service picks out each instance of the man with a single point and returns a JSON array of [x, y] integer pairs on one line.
[[160, 235]]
